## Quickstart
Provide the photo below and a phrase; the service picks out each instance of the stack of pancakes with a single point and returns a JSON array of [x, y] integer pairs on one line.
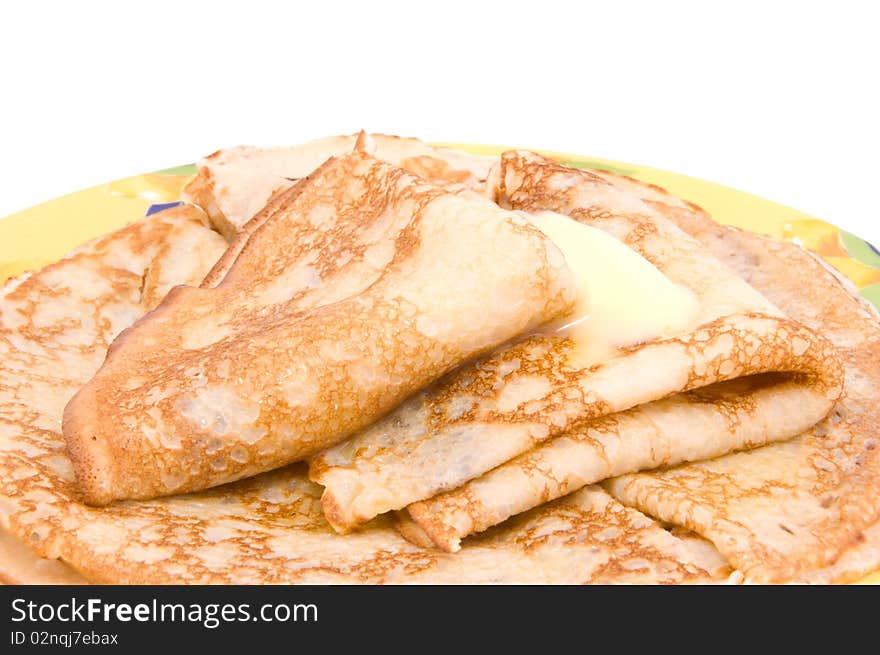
[[365, 360]]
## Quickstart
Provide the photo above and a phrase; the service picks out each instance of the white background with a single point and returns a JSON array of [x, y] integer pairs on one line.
[[776, 98]]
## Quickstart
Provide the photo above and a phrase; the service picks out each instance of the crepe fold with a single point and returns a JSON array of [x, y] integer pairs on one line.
[[806, 509], [352, 290], [55, 328], [234, 184], [526, 424]]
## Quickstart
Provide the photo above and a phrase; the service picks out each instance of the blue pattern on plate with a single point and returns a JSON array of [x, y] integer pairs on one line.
[[160, 206]]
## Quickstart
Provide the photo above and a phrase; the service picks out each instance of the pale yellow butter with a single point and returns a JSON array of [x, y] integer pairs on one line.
[[622, 298]]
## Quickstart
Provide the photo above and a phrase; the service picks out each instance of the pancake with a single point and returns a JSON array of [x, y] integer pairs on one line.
[[784, 511], [234, 184], [695, 425], [20, 565], [186, 259], [268, 528], [486, 414], [352, 291]]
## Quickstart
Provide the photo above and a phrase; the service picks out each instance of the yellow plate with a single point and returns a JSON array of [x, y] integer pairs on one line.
[[42, 234]]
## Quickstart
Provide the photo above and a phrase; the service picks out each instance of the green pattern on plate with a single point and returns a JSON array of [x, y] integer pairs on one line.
[[859, 249], [185, 169], [872, 293], [586, 163]]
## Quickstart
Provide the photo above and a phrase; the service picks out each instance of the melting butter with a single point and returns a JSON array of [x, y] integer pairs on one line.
[[622, 299]]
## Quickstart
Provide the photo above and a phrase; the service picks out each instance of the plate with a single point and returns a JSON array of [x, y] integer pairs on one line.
[[44, 233]]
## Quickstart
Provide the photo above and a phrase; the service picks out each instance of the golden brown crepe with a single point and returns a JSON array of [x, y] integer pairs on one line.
[[234, 184], [691, 426], [20, 565], [785, 510], [767, 510], [350, 292], [186, 259], [55, 326], [462, 435]]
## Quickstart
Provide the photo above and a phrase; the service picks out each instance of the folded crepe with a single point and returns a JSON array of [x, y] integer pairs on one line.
[[234, 184], [472, 444], [807, 509], [55, 328], [350, 291]]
